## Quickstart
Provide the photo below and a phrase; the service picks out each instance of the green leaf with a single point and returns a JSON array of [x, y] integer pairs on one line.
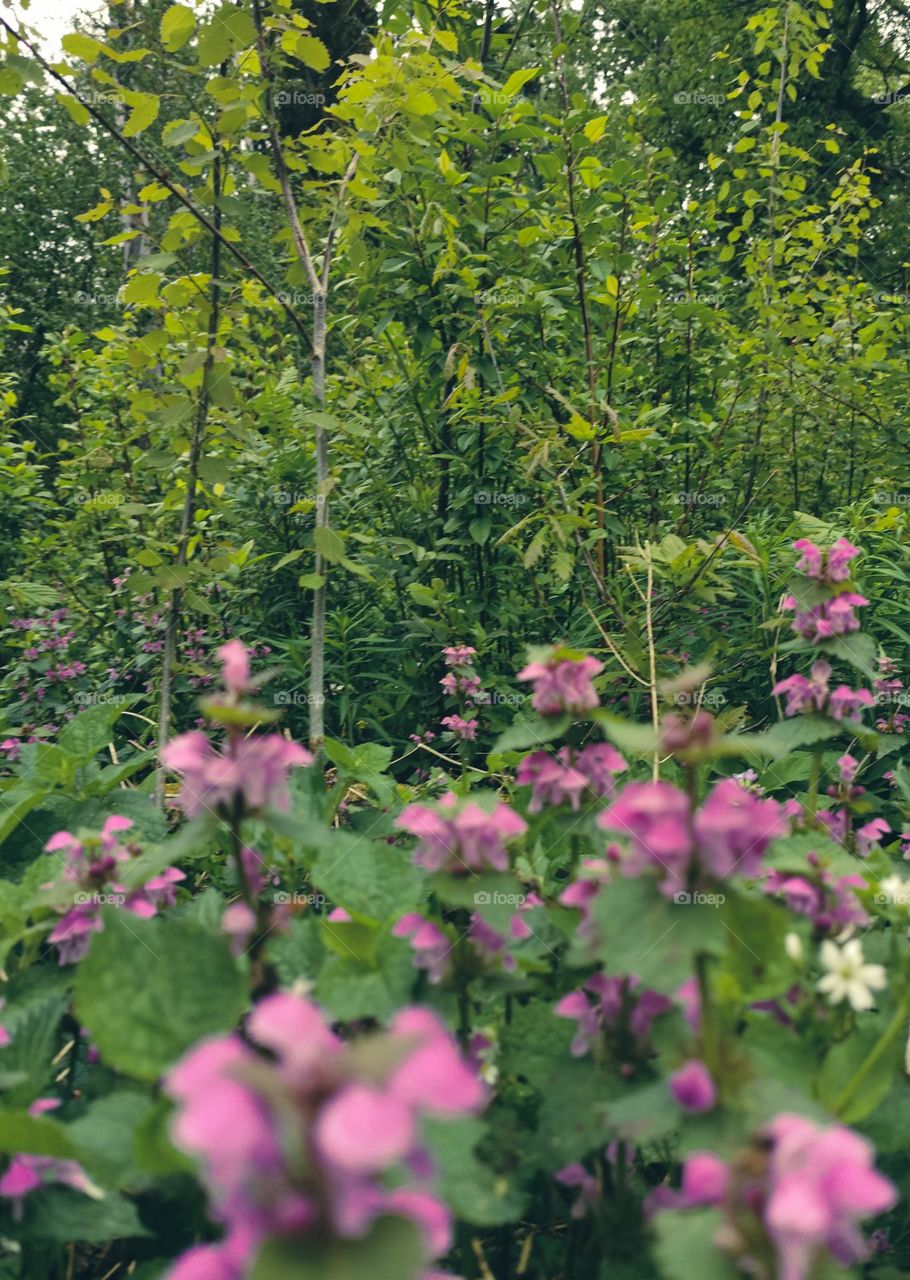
[[78, 113], [288, 558], [472, 1191], [532, 733], [143, 111], [349, 988], [177, 25], [228, 30], [517, 80], [639, 931], [391, 1251], [479, 529], [844, 1061], [329, 544], [34, 1135], [141, 288], [800, 731], [307, 49], [685, 1246], [62, 1215], [90, 731], [16, 803], [105, 1135], [85, 48], [183, 984], [369, 878]]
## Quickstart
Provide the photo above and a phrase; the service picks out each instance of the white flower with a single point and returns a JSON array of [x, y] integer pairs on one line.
[[849, 977], [793, 945], [895, 890]]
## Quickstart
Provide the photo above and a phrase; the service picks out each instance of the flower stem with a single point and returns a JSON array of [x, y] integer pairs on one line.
[[881, 1046]]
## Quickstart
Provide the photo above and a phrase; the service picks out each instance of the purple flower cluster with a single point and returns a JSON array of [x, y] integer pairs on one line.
[[611, 1004], [804, 1188], [814, 694], [729, 833], [252, 771], [459, 836], [562, 684], [569, 775], [92, 866], [321, 1137]]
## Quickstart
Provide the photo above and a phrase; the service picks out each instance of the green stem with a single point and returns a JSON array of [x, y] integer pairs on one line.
[[884, 1042], [814, 779], [708, 1029]]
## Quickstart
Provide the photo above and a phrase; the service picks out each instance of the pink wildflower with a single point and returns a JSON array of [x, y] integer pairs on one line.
[[692, 1087], [356, 1118], [430, 945], [461, 836], [466, 730], [562, 685], [254, 770]]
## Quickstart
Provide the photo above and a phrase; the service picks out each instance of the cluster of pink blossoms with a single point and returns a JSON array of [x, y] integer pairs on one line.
[[804, 1187], [611, 1005], [431, 947], [730, 832], [252, 771], [92, 867], [814, 694], [460, 836], [461, 682], [568, 775], [829, 566], [491, 945], [320, 1138], [562, 684], [889, 693], [27, 1173], [830, 618], [827, 569], [827, 900]]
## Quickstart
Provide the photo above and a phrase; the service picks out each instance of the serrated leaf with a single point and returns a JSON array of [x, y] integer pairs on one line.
[[177, 25], [149, 989]]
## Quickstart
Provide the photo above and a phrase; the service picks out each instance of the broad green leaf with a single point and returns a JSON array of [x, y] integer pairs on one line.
[[183, 985], [329, 544], [143, 110], [392, 1250], [177, 25], [307, 49], [84, 47], [227, 31]]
